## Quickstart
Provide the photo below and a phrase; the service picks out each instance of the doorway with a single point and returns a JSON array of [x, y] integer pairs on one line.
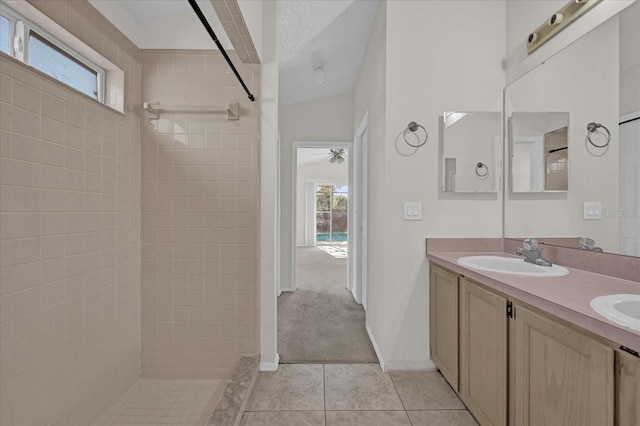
[[322, 176], [320, 319]]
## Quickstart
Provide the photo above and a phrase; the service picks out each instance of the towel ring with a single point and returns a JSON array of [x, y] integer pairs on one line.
[[593, 128], [482, 170], [413, 127]]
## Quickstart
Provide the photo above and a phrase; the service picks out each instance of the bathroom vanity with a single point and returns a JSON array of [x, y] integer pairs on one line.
[[522, 350]]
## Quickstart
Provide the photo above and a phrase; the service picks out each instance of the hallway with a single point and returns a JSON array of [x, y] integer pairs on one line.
[[320, 322]]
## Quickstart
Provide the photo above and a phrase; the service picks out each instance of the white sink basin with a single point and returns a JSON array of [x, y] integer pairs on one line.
[[621, 308], [510, 265]]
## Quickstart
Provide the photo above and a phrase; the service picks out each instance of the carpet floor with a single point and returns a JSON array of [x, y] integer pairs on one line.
[[320, 322]]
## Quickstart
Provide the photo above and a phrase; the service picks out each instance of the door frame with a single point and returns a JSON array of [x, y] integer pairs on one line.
[[359, 238], [294, 200], [536, 147], [625, 120]]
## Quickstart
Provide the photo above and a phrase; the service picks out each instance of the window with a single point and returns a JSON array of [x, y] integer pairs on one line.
[[26, 42], [5, 30], [331, 213]]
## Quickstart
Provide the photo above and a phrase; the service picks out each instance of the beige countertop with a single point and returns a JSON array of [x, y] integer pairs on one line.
[[567, 297]]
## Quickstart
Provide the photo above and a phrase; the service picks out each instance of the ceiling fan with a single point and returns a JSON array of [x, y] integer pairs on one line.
[[337, 155]]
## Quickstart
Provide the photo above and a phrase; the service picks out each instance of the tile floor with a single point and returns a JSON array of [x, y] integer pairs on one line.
[[353, 394], [165, 402]]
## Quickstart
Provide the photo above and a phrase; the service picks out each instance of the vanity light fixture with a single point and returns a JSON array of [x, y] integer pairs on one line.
[[557, 22]]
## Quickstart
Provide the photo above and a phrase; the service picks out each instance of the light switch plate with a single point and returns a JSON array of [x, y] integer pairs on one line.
[[592, 210], [412, 211]]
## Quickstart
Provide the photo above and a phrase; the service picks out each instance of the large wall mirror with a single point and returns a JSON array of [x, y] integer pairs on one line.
[[562, 187]]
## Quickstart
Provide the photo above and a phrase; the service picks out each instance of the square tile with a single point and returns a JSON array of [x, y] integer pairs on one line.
[[425, 390], [292, 387], [359, 387], [442, 418], [283, 418], [367, 418]]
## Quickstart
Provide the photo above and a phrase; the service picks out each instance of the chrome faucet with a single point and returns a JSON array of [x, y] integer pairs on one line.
[[532, 252], [588, 244]]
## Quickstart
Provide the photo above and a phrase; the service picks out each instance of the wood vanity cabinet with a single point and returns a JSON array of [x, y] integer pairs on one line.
[[627, 389], [560, 376], [483, 353], [443, 322], [511, 364]]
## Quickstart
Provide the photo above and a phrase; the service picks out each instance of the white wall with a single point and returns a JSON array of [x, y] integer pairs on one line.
[[561, 84], [524, 16], [324, 120], [370, 99], [269, 188], [186, 31], [320, 173], [431, 65]]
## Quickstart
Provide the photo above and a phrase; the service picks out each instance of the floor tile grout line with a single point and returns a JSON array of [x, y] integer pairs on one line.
[[395, 387], [324, 393]]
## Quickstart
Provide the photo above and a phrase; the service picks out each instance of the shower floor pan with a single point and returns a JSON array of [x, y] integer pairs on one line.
[[165, 402]]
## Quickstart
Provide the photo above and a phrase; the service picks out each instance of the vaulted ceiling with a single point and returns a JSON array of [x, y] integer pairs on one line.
[[333, 34], [330, 33]]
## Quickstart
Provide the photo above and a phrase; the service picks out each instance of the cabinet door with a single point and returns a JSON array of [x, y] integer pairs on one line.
[[561, 377], [483, 353], [443, 322], [627, 389]]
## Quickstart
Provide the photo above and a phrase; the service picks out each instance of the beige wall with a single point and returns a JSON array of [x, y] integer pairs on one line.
[[200, 191], [322, 172], [324, 120], [69, 236]]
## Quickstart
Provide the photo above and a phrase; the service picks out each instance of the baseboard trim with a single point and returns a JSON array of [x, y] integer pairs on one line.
[[270, 366], [417, 364], [354, 295], [395, 365], [376, 348]]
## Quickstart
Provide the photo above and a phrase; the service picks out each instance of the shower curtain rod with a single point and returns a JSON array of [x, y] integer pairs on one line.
[[204, 21]]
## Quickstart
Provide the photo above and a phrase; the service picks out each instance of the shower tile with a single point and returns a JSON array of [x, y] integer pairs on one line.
[[186, 402]]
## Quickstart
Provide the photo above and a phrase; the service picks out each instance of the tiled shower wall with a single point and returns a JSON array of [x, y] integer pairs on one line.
[[200, 190], [69, 235]]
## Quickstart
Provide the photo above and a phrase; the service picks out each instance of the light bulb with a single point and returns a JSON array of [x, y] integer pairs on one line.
[[319, 74]]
